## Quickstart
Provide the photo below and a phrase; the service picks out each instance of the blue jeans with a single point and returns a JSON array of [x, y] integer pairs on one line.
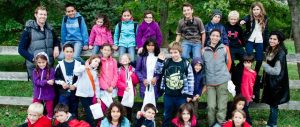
[[77, 51], [273, 116], [171, 105], [258, 50], [86, 102], [237, 53], [188, 46], [71, 100], [129, 50], [96, 50]]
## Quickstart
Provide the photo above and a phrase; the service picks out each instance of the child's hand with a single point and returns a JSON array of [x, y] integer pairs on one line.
[[50, 82], [140, 50], [87, 64], [65, 85], [139, 114], [130, 73], [204, 90], [153, 81], [115, 47], [98, 100], [161, 56], [188, 99], [242, 22], [146, 82], [90, 47], [195, 98], [72, 87], [85, 47], [127, 89], [110, 89]]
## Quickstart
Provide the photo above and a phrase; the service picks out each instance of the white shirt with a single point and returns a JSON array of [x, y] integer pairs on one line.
[[256, 35], [150, 62]]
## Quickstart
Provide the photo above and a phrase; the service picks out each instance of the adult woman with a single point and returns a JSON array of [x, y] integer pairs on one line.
[[217, 63], [276, 81]]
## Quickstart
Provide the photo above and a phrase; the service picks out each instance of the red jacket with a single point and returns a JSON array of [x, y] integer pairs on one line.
[[176, 122], [230, 124], [121, 83], [72, 123], [248, 80], [41, 122]]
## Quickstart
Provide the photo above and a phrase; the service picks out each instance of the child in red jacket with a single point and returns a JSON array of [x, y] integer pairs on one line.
[[238, 119]]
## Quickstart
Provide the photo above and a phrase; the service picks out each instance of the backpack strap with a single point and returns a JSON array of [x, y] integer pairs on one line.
[[120, 28], [135, 27], [227, 57]]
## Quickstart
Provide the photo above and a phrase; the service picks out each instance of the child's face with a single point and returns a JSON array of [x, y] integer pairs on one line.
[[186, 116], [238, 119], [125, 60], [41, 63], [197, 67], [256, 11], [106, 51], [233, 20], [41, 16], [70, 12], [148, 18], [215, 37], [273, 40], [69, 52], [216, 19], [150, 47], [100, 22], [115, 114], [126, 16], [95, 63], [175, 54], [61, 116], [33, 116], [247, 64], [149, 114], [240, 105], [187, 12]]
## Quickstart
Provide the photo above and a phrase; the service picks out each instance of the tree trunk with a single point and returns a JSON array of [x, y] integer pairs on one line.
[[163, 22], [294, 8]]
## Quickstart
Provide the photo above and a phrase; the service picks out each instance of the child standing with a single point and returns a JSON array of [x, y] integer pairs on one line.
[[192, 30], [146, 118], [65, 78], [257, 38], [146, 65], [87, 85], [126, 74], [177, 81], [185, 117], [215, 24], [43, 80], [100, 34], [125, 35], [115, 116], [148, 29], [197, 64], [238, 119]]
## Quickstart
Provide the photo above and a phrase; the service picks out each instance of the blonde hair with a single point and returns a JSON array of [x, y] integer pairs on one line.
[[36, 107], [175, 46], [234, 14], [261, 17], [125, 54]]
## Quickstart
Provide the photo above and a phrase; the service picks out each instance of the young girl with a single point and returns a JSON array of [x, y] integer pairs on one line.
[[43, 80], [148, 29], [109, 71], [240, 103], [125, 34], [146, 65], [100, 34], [238, 119], [115, 116], [126, 71], [87, 85], [185, 117], [256, 37]]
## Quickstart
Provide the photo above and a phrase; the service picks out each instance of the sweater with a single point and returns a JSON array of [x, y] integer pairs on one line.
[[147, 31], [109, 73], [235, 35], [122, 80], [100, 35], [41, 89]]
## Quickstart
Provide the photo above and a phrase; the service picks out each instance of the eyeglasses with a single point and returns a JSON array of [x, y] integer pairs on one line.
[[148, 17]]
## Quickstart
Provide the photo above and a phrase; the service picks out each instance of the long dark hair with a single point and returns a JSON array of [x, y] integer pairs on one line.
[[105, 20], [121, 109], [148, 42], [280, 36], [189, 108], [43, 57], [237, 99]]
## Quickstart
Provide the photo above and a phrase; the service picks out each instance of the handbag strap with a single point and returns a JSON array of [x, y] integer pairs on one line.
[[88, 71]]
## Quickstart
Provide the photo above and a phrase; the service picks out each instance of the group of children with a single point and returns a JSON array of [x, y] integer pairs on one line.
[[180, 81]]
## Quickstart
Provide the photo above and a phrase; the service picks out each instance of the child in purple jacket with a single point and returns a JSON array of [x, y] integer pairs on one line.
[[148, 29], [43, 80]]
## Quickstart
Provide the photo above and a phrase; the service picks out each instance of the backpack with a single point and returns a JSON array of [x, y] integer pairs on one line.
[[79, 18], [120, 28]]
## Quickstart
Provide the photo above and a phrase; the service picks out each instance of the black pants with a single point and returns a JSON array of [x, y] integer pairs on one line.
[[86, 103], [128, 110]]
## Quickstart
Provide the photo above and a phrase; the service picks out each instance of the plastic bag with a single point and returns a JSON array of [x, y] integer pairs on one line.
[[149, 96], [128, 96]]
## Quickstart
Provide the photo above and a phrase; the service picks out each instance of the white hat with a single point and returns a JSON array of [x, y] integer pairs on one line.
[[42, 53]]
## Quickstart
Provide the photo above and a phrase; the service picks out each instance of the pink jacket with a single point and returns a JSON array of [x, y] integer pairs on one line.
[[176, 122], [100, 35], [109, 73], [121, 84], [248, 80]]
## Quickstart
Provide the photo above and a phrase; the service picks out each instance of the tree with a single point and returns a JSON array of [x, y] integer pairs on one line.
[[294, 6]]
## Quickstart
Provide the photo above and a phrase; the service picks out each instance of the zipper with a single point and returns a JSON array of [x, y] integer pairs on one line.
[[41, 84]]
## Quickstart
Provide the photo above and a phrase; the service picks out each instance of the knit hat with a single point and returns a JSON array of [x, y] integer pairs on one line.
[[42, 53], [216, 12], [197, 60]]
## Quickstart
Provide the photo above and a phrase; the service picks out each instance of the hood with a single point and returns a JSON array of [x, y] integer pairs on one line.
[[33, 24], [197, 60]]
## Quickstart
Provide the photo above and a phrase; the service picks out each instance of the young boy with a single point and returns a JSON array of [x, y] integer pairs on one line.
[[197, 64], [64, 79], [64, 118], [191, 29], [235, 36], [35, 117], [146, 118], [74, 31], [215, 24], [177, 81]]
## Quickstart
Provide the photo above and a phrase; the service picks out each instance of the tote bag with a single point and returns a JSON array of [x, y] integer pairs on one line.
[[149, 96], [128, 96]]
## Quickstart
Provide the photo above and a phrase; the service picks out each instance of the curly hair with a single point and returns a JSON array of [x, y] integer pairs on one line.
[[121, 109]]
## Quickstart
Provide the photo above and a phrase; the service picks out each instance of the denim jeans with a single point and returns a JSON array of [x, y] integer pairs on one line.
[[86, 102], [237, 53], [171, 105], [96, 50], [273, 116], [188, 46], [77, 51], [71, 100], [129, 50]]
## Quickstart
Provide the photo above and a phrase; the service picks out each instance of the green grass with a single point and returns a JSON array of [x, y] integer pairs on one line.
[[12, 63], [16, 88], [289, 44]]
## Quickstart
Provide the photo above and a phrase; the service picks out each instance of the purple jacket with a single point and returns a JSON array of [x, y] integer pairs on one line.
[[141, 71], [146, 31], [42, 90]]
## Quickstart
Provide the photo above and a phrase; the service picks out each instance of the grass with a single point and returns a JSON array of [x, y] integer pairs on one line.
[[289, 44]]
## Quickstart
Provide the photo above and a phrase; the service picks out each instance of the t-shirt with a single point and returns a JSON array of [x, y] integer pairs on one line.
[[191, 29], [69, 71], [174, 75]]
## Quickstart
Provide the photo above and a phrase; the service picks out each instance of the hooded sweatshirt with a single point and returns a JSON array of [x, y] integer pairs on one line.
[[198, 76]]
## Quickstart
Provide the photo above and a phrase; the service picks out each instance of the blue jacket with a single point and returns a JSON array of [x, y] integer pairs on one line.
[[73, 31], [210, 26], [106, 123], [127, 37]]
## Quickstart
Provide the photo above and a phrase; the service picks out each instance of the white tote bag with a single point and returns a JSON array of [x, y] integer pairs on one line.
[[96, 110], [128, 96], [106, 98], [149, 96]]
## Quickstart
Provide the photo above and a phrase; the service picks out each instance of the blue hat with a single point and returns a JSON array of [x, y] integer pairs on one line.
[[197, 60]]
